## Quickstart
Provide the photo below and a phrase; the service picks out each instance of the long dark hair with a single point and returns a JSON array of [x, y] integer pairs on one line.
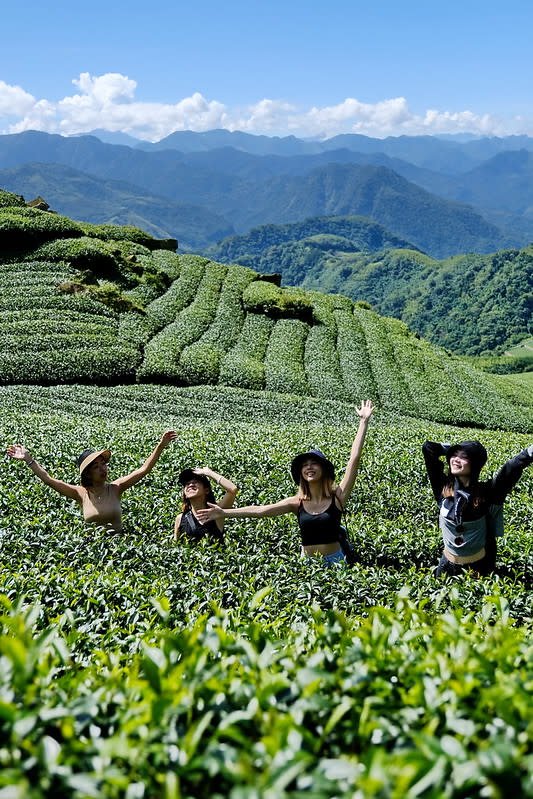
[[85, 480]]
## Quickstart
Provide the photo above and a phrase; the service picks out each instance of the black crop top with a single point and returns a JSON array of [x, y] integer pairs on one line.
[[319, 528], [195, 531]]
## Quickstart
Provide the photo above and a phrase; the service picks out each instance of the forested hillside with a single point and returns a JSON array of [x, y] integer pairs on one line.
[[471, 304], [360, 231], [107, 304]]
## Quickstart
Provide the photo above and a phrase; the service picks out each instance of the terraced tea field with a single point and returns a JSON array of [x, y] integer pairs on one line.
[[100, 309]]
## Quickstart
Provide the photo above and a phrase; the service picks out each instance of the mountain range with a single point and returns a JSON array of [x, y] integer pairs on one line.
[[238, 189]]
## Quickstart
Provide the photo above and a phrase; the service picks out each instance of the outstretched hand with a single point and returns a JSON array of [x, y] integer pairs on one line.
[[366, 410], [167, 437], [17, 451], [210, 513]]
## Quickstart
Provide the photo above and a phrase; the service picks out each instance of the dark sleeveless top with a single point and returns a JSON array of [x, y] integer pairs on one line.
[[195, 531], [319, 528]]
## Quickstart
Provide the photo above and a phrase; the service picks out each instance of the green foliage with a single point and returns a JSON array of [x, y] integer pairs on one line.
[[52, 337], [162, 353], [10, 200], [131, 666], [472, 304], [505, 365], [265, 297], [80, 253], [110, 294], [188, 320], [22, 229], [284, 357], [258, 245], [243, 366], [109, 232]]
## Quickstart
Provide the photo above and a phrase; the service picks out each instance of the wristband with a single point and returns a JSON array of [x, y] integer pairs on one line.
[[29, 463]]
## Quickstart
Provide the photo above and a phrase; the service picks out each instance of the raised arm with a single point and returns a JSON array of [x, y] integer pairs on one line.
[[231, 490], [433, 451], [19, 453], [509, 474], [347, 483], [130, 479], [289, 505]]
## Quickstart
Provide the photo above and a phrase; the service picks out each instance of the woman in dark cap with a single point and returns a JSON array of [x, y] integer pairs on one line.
[[318, 504], [197, 492], [470, 510], [99, 499]]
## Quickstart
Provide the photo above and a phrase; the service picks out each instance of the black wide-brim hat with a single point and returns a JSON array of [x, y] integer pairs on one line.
[[475, 451], [90, 455], [189, 474], [311, 454]]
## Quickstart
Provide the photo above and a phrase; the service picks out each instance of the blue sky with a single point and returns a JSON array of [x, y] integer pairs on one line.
[[278, 68]]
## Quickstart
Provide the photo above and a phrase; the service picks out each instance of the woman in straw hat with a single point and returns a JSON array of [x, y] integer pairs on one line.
[[318, 504], [98, 498], [197, 492]]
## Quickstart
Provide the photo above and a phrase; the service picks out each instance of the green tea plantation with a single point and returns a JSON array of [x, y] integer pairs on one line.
[[135, 667]]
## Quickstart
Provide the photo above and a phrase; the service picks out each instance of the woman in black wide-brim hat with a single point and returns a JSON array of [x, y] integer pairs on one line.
[[98, 498], [470, 510], [197, 492], [319, 503]]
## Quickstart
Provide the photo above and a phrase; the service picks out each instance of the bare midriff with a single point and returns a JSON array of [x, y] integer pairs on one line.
[[322, 549], [462, 560]]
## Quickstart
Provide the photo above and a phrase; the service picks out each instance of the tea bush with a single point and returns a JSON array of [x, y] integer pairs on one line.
[[131, 666], [264, 297], [22, 228], [243, 366], [9, 200], [284, 357], [354, 359]]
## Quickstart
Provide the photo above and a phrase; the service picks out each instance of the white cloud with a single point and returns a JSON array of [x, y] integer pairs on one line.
[[266, 115], [14, 101], [352, 116], [108, 101], [103, 90]]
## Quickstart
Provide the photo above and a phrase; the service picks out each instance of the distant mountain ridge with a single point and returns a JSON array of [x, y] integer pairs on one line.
[[437, 226], [90, 199], [244, 200], [430, 152]]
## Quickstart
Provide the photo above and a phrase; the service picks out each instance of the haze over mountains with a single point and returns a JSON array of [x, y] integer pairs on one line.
[[443, 195]]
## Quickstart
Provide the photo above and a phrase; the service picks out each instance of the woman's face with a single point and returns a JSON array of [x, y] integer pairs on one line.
[[460, 465], [98, 469], [311, 470], [195, 488]]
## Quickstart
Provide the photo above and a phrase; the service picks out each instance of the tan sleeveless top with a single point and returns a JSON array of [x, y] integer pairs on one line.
[[103, 509]]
